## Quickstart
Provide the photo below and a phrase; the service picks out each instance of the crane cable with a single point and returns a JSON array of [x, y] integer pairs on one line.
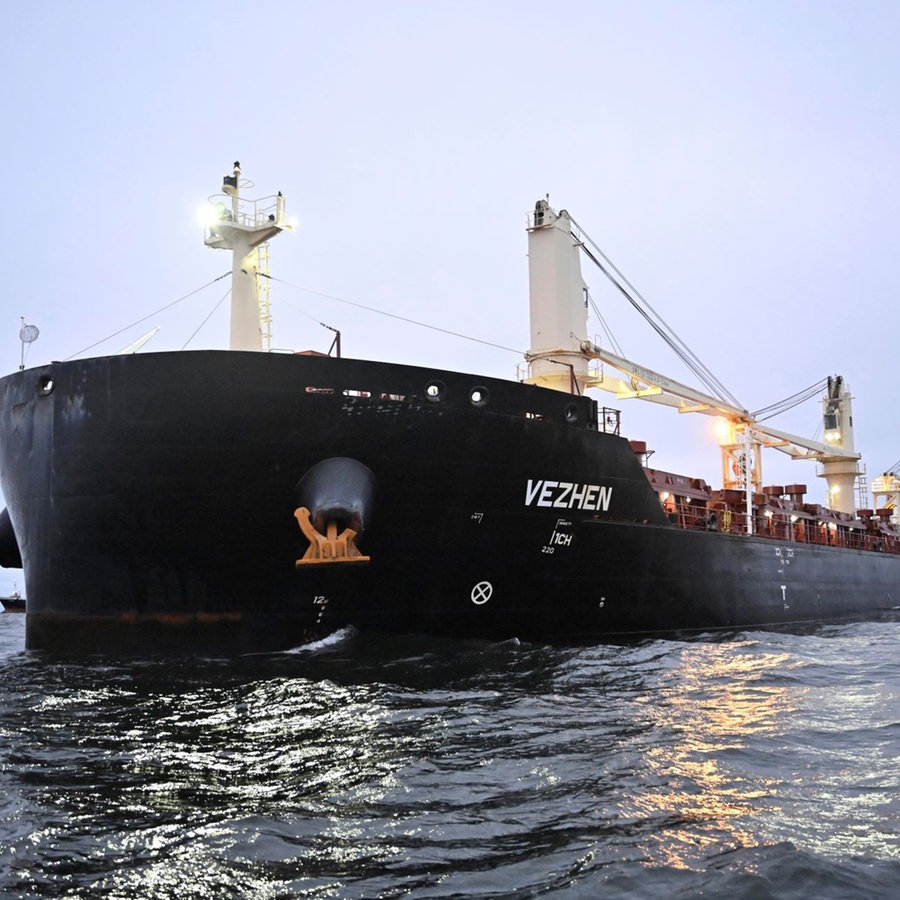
[[656, 322]]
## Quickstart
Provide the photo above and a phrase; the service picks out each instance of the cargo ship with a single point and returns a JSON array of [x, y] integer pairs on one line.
[[244, 500]]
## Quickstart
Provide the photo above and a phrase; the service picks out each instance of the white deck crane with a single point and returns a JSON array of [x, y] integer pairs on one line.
[[561, 351]]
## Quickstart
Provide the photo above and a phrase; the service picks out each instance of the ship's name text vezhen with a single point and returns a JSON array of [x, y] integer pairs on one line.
[[567, 495]]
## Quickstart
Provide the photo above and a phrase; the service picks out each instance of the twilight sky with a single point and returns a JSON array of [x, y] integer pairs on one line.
[[737, 160]]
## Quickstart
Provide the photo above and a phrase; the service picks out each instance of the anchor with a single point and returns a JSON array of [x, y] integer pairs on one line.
[[334, 501], [329, 548]]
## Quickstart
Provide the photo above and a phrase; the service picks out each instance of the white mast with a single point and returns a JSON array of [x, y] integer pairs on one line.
[[839, 471], [242, 229], [557, 302]]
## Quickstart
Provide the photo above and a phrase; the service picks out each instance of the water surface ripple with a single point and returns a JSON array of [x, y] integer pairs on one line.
[[758, 766]]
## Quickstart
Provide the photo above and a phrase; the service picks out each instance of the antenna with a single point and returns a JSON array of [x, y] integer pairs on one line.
[[28, 334]]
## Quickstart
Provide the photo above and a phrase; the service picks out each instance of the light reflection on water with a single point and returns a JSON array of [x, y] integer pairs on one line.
[[374, 767], [714, 704], [772, 746]]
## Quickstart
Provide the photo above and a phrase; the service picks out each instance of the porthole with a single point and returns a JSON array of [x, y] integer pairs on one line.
[[44, 385], [435, 390], [573, 414], [478, 396]]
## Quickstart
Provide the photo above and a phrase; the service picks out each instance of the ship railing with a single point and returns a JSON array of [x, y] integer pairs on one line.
[[609, 420], [694, 514], [823, 528]]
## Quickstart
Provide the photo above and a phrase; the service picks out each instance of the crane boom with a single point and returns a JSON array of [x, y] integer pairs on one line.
[[560, 352], [646, 384]]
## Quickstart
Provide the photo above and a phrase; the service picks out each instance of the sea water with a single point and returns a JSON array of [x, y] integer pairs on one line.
[[760, 765]]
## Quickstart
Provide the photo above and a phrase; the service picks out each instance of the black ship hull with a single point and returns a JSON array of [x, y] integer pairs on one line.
[[13, 604], [153, 499]]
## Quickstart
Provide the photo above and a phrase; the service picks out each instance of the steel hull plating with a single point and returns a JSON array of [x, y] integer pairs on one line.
[[153, 499]]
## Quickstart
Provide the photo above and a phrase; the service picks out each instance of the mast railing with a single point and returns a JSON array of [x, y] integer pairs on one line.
[[250, 213]]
